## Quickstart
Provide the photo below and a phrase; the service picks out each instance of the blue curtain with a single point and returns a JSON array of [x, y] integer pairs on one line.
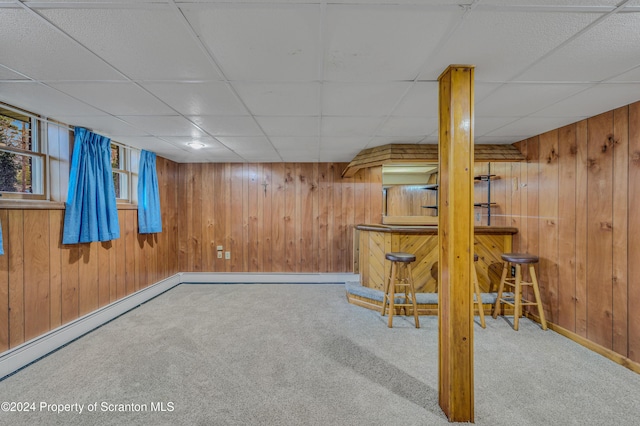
[[149, 219], [91, 213]]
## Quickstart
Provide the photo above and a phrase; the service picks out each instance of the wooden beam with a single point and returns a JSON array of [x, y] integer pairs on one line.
[[411, 153], [455, 235]]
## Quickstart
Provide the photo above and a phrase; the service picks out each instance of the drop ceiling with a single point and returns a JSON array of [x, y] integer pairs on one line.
[[307, 80]]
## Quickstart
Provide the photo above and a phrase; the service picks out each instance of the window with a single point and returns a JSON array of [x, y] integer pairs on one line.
[[22, 163], [124, 161]]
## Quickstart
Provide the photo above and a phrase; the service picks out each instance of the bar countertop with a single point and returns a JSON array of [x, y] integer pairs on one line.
[[433, 229]]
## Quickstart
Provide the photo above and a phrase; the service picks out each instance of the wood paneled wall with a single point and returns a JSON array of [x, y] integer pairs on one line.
[[574, 202], [44, 284], [273, 217]]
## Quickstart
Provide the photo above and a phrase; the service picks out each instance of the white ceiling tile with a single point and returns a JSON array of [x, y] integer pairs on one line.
[[144, 44], [385, 140], [102, 124], [43, 53], [632, 75], [44, 100], [338, 156], [300, 156], [349, 126], [599, 99], [380, 43], [487, 124], [420, 101], [149, 143], [7, 74], [324, 79], [292, 99], [283, 144], [602, 52], [290, 126], [344, 143], [210, 98], [171, 125], [254, 156], [519, 99], [502, 44], [361, 99], [246, 144], [408, 126], [531, 126], [255, 42], [497, 140], [227, 126], [116, 98]]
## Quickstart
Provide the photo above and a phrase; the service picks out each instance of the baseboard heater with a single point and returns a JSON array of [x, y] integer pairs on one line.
[[16, 358]]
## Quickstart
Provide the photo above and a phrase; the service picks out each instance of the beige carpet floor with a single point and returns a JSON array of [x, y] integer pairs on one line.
[[279, 354]]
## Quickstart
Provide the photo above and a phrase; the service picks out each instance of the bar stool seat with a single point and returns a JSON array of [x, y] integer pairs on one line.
[[400, 276], [516, 282]]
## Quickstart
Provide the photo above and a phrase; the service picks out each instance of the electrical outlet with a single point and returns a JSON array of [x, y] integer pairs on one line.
[[219, 248], [478, 217], [219, 255], [227, 255], [513, 271]]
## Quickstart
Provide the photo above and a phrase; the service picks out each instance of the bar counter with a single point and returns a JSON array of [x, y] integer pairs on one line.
[[372, 241]]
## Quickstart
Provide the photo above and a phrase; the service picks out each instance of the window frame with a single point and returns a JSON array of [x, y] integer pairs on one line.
[[125, 169], [39, 151]]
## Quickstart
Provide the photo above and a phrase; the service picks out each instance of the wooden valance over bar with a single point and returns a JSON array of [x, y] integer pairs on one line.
[[411, 153]]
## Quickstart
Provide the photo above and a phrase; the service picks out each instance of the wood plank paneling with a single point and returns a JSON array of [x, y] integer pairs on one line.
[[581, 228], [36, 273], [278, 242], [130, 250], [255, 206], [620, 146], [15, 240], [104, 279], [45, 284], [337, 231], [289, 223], [89, 278], [548, 224], [567, 152], [301, 221], [634, 230], [56, 218], [599, 230], [267, 217], [325, 201], [120, 257], [304, 226]]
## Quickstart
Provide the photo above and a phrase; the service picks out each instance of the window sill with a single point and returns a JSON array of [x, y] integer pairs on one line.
[[14, 204]]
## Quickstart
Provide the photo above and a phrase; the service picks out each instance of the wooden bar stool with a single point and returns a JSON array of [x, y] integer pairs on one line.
[[400, 276], [516, 283], [478, 298]]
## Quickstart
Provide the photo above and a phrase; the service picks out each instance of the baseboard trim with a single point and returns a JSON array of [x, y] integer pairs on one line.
[[16, 358], [266, 278], [28, 352], [595, 347]]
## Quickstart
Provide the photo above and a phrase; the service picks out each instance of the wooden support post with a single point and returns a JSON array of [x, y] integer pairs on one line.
[[455, 235]]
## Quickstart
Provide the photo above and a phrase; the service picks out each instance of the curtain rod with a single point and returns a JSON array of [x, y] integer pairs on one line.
[[56, 123]]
